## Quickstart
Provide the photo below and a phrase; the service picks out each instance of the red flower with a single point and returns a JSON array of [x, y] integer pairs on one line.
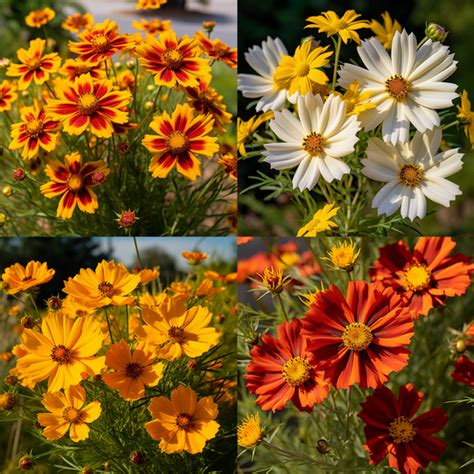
[[464, 371], [282, 369], [391, 430], [360, 339], [426, 277]]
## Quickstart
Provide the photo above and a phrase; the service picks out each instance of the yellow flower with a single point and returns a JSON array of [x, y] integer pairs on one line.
[[38, 18], [309, 298], [357, 102], [19, 278], [249, 432], [245, 130], [320, 222], [78, 22], [384, 33], [273, 280], [329, 23], [149, 4], [7, 401], [194, 258], [466, 117], [343, 256], [206, 289]]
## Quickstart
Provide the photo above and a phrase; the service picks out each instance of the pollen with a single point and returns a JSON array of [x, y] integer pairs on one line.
[[411, 175], [61, 354], [184, 421], [296, 371], [314, 144], [133, 370], [75, 182], [100, 43], [172, 57], [88, 104], [106, 289], [34, 127], [176, 334], [397, 87], [402, 430], [72, 415], [357, 337], [177, 142], [416, 278]]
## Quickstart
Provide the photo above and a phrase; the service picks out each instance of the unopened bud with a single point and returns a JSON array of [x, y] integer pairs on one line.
[[27, 322], [436, 32], [193, 364], [4, 63], [131, 64], [118, 65], [99, 177], [149, 105], [209, 26], [7, 190], [55, 303], [7, 401], [323, 446], [25, 463], [18, 174], [137, 457], [150, 87], [87, 470], [10, 380], [3, 219], [123, 148], [460, 346], [127, 219]]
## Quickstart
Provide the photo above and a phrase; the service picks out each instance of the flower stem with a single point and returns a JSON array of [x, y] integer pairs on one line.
[[336, 62], [34, 304], [139, 260], [449, 125], [108, 324], [283, 307]]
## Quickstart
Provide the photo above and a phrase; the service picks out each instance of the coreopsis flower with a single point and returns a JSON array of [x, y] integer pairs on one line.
[[216, 49], [73, 308], [194, 258], [180, 137], [314, 141], [359, 339], [183, 423], [320, 222], [426, 276], [7, 401], [73, 68], [108, 284], [391, 430], [68, 412], [343, 255], [283, 370], [230, 164], [73, 181], [8, 95], [413, 172], [78, 22], [149, 4], [153, 27], [64, 352], [178, 331], [34, 132], [346, 26], [18, 278], [126, 81], [466, 117], [250, 432], [34, 65], [246, 129], [464, 371], [132, 371], [88, 103], [385, 33], [356, 101], [406, 88], [127, 219], [147, 274], [206, 289], [299, 73], [39, 18], [273, 280]]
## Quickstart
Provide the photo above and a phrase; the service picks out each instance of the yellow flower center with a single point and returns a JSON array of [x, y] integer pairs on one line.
[[133, 370], [172, 58], [34, 63], [302, 69], [402, 430], [184, 421], [72, 415], [397, 87], [296, 371], [177, 142], [176, 334], [75, 182], [34, 127], [313, 143], [87, 104], [106, 289], [61, 354], [100, 43], [340, 25], [81, 69], [411, 175], [416, 278], [357, 337]]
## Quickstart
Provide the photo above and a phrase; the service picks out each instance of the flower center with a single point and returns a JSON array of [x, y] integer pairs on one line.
[[61, 354], [340, 25], [176, 334], [106, 289], [177, 142], [100, 43], [34, 63], [313, 143], [357, 337], [397, 87], [296, 371], [172, 57], [207, 97], [75, 182], [72, 415], [27, 278], [184, 421], [87, 104], [34, 127], [343, 257], [416, 278], [302, 69], [411, 175], [133, 370], [402, 430]]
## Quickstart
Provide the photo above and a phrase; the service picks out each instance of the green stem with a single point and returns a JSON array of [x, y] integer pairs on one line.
[[336, 62], [108, 325], [137, 253], [283, 307], [449, 125], [34, 304]]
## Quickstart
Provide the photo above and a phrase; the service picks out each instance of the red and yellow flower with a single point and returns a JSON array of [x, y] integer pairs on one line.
[[8, 95], [195, 257], [464, 371], [149, 4], [39, 18], [78, 22], [73, 68], [216, 49], [153, 27], [230, 164]]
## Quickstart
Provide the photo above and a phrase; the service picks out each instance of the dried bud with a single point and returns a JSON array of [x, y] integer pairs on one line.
[[323, 446], [7, 190], [126, 219], [25, 463], [137, 457], [27, 322], [55, 303], [436, 32], [123, 148], [10, 380], [460, 346], [18, 174], [99, 177], [209, 26], [7, 401]]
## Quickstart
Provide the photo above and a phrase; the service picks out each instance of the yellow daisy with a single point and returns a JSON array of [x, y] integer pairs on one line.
[[466, 116], [384, 33], [320, 222]]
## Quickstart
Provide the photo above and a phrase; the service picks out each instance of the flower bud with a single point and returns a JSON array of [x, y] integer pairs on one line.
[[7, 401], [123, 148], [25, 463], [150, 87], [127, 219], [4, 63], [118, 65], [436, 32], [10, 380], [460, 346], [131, 64], [323, 446], [27, 322], [7, 190], [193, 364], [99, 177], [18, 174], [209, 26], [148, 105], [137, 457], [107, 466], [87, 470], [55, 303], [3, 219]]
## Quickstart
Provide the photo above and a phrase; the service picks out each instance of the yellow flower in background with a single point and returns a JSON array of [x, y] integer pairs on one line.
[[8, 95], [273, 280], [346, 26], [149, 4], [230, 164], [320, 222], [147, 274], [309, 298], [466, 117], [78, 22], [356, 101], [183, 423], [73, 68], [38, 18], [250, 432], [301, 71], [68, 412], [19, 278], [384, 33], [343, 255], [194, 258], [245, 129], [75, 308], [153, 27], [206, 289]]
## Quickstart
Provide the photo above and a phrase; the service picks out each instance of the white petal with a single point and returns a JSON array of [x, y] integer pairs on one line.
[[288, 125], [378, 172], [284, 161], [331, 168], [440, 190], [300, 172], [304, 112], [311, 175], [387, 200], [375, 57], [445, 164]]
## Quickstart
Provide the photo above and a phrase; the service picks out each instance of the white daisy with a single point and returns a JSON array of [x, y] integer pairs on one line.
[[314, 140], [413, 172], [406, 87], [264, 60]]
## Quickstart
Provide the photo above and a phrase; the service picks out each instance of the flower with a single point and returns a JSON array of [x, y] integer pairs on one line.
[[273, 280], [177, 330], [77, 22], [216, 49], [390, 429], [264, 60], [149, 4], [89, 104], [73, 181], [356, 101], [436, 32], [249, 432], [153, 27], [73, 68], [385, 33], [230, 164], [346, 26], [34, 132], [8, 95], [34, 66], [313, 141], [127, 219], [38, 18], [108, 284], [172, 61], [63, 352], [132, 370], [282, 369], [406, 88], [426, 277], [359, 339], [299, 73], [343, 255], [179, 138], [183, 423], [413, 172], [99, 42], [320, 222], [464, 371], [466, 117], [19, 278], [194, 258], [245, 129], [68, 413]]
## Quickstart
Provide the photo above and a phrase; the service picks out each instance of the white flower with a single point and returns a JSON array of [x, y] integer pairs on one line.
[[413, 172], [314, 140], [264, 60], [406, 87]]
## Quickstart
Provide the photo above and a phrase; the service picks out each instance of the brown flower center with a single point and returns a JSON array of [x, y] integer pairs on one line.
[[61, 354], [81, 69], [313, 143], [87, 104], [416, 278], [411, 175], [296, 371], [177, 142], [72, 415], [172, 58], [357, 337], [100, 43], [106, 289], [133, 370], [27, 278], [184, 421], [397, 87], [75, 182], [402, 430], [34, 127], [176, 334], [207, 96], [34, 63]]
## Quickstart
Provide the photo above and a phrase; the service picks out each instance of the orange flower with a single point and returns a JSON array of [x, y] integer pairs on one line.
[[73, 68], [18, 278], [206, 289], [34, 132], [8, 95], [153, 27], [78, 22], [217, 50], [180, 137], [230, 164], [464, 371], [172, 61], [34, 65], [194, 258], [38, 18], [89, 103], [149, 4]]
